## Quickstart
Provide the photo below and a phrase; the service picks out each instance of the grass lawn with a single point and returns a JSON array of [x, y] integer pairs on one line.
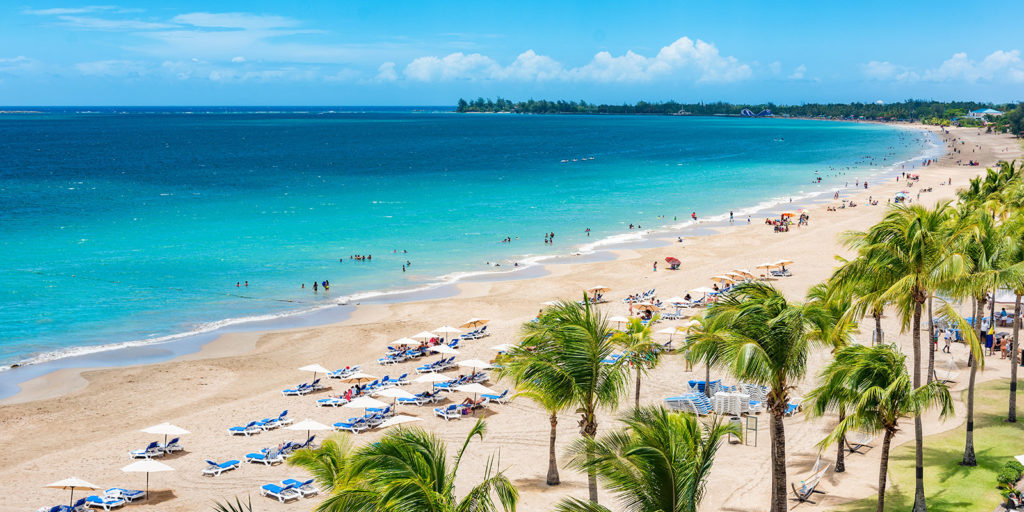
[[947, 485]]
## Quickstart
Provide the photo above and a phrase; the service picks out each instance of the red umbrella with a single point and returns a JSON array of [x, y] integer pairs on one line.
[[672, 260]]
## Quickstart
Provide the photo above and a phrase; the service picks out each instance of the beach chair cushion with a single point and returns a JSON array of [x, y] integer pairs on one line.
[[104, 502]]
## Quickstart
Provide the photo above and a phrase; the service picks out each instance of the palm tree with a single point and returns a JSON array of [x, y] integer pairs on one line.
[[659, 463], [405, 470], [916, 246], [237, 506], [883, 395], [553, 403], [637, 341], [704, 343], [563, 353], [767, 343]]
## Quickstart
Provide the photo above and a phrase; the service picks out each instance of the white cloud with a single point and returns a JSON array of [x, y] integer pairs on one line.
[[17, 65], [236, 20], [386, 72], [238, 59], [775, 67], [798, 73], [1000, 65], [112, 68], [684, 58], [114, 25], [57, 11]]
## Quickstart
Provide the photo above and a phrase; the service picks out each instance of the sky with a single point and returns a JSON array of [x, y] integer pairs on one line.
[[423, 52]]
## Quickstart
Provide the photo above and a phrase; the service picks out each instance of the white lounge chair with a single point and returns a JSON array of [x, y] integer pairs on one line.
[[216, 468], [282, 494]]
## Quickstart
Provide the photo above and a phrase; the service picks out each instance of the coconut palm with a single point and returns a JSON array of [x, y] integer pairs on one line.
[[406, 470], [563, 353], [642, 352], [883, 395], [659, 462], [704, 343], [918, 248], [553, 403], [767, 343]]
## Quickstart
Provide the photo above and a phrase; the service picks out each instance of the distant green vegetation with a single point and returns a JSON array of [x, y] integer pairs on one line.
[[931, 112]]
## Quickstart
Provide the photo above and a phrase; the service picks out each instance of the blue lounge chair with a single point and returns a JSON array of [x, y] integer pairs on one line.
[[171, 447], [216, 468], [79, 506], [265, 457], [306, 487], [450, 412], [301, 389], [153, 450], [282, 494], [103, 502], [249, 429], [501, 399], [354, 425], [333, 401], [129, 495]]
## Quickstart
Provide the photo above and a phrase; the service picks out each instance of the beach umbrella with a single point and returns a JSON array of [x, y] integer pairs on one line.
[[646, 307], [672, 260], [598, 289], [398, 420], [307, 425], [167, 430], [443, 349], [745, 273], [424, 335], [619, 320], [476, 389], [504, 347], [315, 368], [395, 393], [723, 279], [146, 466], [783, 263], [432, 377], [404, 341], [364, 403], [358, 377], [766, 266], [549, 303], [476, 363], [448, 330], [473, 323], [671, 331], [70, 484], [675, 300]]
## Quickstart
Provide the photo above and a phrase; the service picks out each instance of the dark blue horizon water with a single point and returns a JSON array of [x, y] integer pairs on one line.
[[135, 224]]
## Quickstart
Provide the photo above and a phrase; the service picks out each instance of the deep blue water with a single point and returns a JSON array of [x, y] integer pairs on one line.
[[136, 224]]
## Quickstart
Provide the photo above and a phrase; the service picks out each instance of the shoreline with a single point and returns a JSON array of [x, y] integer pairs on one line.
[[238, 377], [171, 346]]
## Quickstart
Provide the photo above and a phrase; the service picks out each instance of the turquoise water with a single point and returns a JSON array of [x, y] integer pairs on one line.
[[136, 225]]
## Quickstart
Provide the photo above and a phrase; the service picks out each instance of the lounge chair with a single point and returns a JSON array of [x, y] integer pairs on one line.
[[128, 495], [265, 457], [793, 406], [305, 487], [809, 486], [501, 399], [341, 373], [249, 429], [172, 446], [153, 450], [855, 441], [104, 502], [216, 468], [301, 389], [354, 425], [282, 494], [450, 412], [333, 401]]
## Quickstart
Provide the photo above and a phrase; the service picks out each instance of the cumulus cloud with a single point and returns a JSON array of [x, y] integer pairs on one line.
[[684, 58], [386, 72], [799, 72], [1000, 65]]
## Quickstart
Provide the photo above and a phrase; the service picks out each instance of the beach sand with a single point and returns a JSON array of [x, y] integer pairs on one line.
[[83, 422]]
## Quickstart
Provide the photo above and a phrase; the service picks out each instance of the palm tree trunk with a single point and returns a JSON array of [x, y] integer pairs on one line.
[[588, 427], [878, 326], [552, 461], [778, 434], [707, 381], [638, 386], [883, 469], [919, 500], [1012, 416], [969, 458], [931, 342], [841, 455]]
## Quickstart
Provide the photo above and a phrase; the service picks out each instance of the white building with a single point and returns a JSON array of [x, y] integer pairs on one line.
[[982, 112]]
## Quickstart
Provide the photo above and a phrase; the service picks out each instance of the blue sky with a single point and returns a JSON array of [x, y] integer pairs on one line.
[[395, 52]]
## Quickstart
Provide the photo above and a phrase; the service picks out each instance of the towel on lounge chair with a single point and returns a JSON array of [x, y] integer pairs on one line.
[[216, 468], [104, 502], [125, 494]]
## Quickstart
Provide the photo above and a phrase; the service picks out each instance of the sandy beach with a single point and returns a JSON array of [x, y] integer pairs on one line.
[[83, 422]]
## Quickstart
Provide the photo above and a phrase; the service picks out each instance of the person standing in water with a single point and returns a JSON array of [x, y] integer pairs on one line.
[[314, 286]]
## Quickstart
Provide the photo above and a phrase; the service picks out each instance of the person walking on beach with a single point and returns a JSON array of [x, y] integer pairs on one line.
[[655, 266], [730, 216], [947, 338]]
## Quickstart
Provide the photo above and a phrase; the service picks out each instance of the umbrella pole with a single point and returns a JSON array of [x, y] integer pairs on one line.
[[72, 500], [147, 485]]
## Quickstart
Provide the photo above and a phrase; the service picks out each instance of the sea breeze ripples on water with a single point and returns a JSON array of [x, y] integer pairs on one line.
[[133, 227]]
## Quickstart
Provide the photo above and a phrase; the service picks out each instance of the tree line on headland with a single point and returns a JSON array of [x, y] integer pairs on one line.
[[931, 112]]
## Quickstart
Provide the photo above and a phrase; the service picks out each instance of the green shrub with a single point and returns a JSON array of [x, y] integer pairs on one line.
[[1008, 477], [1016, 466]]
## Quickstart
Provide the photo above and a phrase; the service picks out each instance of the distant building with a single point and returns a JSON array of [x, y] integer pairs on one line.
[[982, 112]]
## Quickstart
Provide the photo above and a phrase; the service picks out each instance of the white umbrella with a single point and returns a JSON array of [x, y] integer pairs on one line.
[[432, 377], [550, 303], [424, 335], [315, 368], [619, 320], [307, 425], [167, 430], [475, 363], [365, 402], [675, 300], [443, 349], [398, 420], [448, 330], [767, 266], [70, 484], [395, 393], [475, 389], [504, 347], [473, 323], [358, 377], [703, 289], [404, 341], [146, 466]]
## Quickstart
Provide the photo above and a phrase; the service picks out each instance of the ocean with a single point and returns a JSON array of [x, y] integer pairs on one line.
[[135, 226]]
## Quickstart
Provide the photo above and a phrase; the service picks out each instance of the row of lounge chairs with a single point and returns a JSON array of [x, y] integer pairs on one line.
[[457, 411], [342, 373], [112, 498], [255, 427], [290, 489], [373, 418], [477, 334], [372, 388], [641, 297], [266, 456], [398, 355], [157, 449], [596, 299], [441, 365], [304, 389]]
